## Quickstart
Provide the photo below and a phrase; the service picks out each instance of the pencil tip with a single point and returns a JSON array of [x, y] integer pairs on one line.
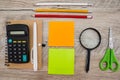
[[32, 16], [90, 4], [90, 11]]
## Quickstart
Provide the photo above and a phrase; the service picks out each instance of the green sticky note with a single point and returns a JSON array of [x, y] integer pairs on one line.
[[61, 61]]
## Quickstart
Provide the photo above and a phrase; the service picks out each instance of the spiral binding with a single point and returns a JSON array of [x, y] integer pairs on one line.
[[6, 49], [6, 53]]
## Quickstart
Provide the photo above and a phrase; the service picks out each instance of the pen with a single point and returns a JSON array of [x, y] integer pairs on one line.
[[63, 4], [61, 16], [35, 58]]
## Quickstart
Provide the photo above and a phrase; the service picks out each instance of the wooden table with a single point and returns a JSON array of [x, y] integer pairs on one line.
[[106, 14]]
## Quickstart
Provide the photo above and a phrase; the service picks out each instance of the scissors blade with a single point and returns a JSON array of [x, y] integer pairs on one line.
[[110, 38]]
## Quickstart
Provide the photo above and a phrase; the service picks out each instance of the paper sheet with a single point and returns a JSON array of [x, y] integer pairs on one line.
[[61, 33], [61, 61]]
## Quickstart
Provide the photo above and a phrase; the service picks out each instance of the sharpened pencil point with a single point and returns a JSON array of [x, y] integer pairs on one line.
[[32, 15]]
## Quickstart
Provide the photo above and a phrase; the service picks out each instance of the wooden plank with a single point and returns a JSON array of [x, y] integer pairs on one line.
[[105, 13]]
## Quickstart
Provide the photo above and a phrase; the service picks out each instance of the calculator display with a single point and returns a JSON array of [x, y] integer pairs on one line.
[[17, 32]]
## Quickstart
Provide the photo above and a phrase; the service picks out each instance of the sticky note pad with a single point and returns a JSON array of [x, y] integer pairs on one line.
[[61, 61], [61, 33]]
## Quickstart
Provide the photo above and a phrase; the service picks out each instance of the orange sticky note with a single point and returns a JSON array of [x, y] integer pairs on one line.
[[61, 33]]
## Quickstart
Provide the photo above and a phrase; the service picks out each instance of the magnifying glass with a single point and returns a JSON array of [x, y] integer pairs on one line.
[[90, 39]]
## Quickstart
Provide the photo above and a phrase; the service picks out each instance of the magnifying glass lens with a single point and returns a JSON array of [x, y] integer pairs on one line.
[[90, 39]]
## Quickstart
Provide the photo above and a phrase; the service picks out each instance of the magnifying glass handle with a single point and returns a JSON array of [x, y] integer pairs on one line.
[[88, 61]]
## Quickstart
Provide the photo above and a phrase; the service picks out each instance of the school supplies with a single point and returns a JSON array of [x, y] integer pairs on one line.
[[63, 10], [109, 61], [35, 50], [90, 39], [61, 61], [61, 48], [28, 65], [62, 4], [47, 10], [62, 16], [61, 33], [18, 43]]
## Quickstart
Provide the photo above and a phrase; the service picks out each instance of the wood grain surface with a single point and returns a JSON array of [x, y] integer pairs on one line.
[[106, 13]]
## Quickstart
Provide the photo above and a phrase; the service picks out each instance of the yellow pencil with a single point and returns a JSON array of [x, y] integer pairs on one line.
[[61, 10], [47, 10]]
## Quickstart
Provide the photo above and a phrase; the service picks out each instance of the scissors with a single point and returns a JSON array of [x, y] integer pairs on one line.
[[109, 58]]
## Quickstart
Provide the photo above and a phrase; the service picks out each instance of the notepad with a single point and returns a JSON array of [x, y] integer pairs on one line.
[[61, 33], [61, 61], [29, 65]]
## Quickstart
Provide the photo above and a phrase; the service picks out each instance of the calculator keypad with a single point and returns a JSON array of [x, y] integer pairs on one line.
[[17, 51]]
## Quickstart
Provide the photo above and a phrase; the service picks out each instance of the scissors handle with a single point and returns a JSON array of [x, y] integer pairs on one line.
[[105, 60], [109, 59], [114, 60]]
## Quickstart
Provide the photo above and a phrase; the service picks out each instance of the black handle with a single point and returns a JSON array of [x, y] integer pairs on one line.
[[88, 61]]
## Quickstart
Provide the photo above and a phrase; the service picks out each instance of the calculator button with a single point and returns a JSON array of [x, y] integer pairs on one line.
[[19, 59], [14, 49], [24, 52], [15, 52], [24, 58], [10, 52], [23, 41], [23, 45], [15, 59], [19, 52], [10, 45], [19, 49], [19, 56], [19, 45], [14, 45], [10, 40], [24, 49], [14, 41], [19, 41], [10, 49], [15, 56], [11, 60], [10, 56]]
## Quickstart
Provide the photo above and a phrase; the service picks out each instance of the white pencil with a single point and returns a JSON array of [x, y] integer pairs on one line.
[[35, 58], [63, 4]]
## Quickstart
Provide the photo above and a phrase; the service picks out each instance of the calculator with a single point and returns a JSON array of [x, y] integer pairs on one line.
[[18, 43]]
